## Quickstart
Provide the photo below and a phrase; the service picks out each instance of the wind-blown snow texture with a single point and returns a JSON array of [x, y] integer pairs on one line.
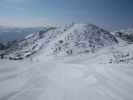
[[98, 67]]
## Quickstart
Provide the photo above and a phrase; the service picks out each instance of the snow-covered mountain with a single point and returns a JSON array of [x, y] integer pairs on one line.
[[99, 66], [81, 38], [73, 39], [67, 40]]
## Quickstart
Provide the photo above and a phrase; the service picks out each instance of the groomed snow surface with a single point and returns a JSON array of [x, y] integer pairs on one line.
[[65, 79]]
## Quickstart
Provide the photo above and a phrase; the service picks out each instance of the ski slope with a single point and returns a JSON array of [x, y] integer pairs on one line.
[[64, 79]]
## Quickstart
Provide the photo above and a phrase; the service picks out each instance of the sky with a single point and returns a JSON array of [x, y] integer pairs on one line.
[[111, 14]]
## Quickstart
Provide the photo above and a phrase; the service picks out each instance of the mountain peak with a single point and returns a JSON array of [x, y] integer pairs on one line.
[[80, 38]]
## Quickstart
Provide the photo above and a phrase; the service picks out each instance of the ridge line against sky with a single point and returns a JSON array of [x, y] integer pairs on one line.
[[112, 14]]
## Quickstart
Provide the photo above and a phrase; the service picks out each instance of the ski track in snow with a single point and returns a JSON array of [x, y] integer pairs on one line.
[[47, 80]]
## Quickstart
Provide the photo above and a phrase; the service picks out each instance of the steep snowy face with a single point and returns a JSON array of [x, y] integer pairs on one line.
[[81, 38], [125, 35]]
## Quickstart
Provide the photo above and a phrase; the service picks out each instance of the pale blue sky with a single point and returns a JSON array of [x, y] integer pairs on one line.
[[114, 14]]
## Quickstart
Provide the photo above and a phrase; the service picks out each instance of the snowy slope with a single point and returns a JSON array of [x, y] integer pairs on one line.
[[122, 54], [65, 79]]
